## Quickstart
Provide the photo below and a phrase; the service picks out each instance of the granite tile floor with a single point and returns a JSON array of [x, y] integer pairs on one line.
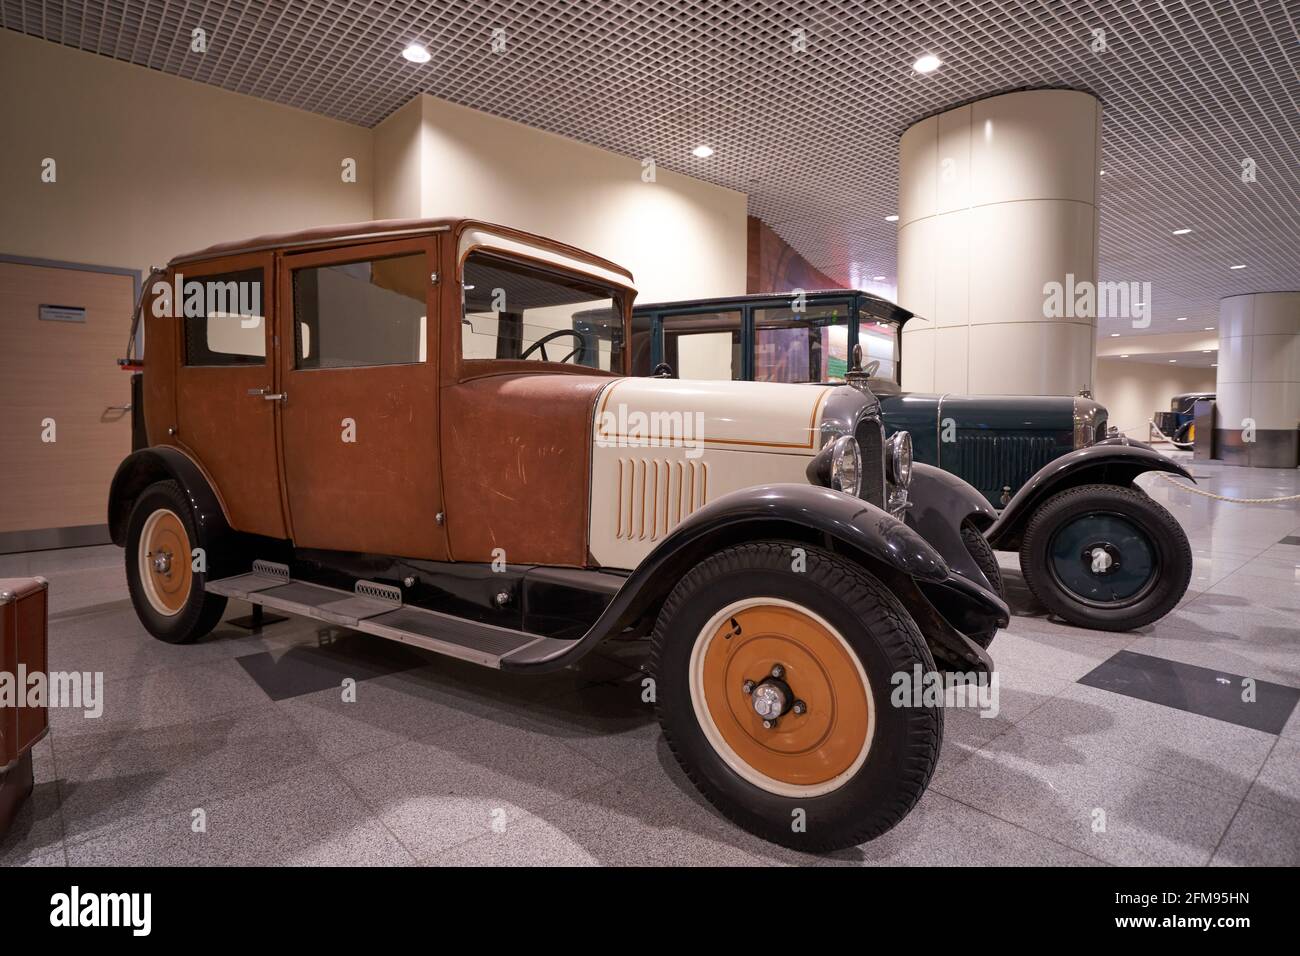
[[241, 749]]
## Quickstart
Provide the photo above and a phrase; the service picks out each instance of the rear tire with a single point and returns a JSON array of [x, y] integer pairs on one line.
[[847, 768], [167, 593], [1148, 561]]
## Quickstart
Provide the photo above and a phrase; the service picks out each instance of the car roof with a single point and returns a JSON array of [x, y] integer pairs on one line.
[[381, 229], [880, 307]]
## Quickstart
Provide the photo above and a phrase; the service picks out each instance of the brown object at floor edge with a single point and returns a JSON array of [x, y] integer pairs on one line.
[[24, 617]]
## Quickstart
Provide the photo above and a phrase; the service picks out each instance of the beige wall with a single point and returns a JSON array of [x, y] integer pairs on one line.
[[151, 165], [399, 179], [1134, 391], [681, 237]]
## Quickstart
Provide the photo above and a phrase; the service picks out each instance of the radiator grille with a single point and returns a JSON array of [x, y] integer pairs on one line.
[[991, 462], [871, 442], [655, 495]]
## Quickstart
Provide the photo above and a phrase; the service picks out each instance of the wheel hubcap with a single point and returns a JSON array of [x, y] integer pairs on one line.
[[781, 697], [1103, 560], [165, 575], [771, 699]]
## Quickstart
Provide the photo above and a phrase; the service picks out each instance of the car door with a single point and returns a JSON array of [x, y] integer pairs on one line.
[[225, 369], [359, 406]]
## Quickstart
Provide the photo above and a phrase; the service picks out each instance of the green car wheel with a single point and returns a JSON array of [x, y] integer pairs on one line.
[[1106, 557]]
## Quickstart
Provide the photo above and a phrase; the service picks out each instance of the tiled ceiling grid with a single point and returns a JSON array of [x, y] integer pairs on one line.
[[1190, 88]]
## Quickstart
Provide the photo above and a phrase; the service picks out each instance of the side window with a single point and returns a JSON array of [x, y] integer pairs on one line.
[[514, 311], [361, 313], [703, 346], [807, 346], [224, 321]]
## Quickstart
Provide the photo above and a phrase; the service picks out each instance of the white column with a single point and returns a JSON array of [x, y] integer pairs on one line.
[[996, 199], [1258, 389]]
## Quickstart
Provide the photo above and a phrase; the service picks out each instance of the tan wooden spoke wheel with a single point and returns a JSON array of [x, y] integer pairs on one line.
[[165, 574], [822, 735]]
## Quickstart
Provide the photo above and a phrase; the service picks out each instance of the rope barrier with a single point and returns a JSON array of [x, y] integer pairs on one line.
[[1209, 494], [1180, 445]]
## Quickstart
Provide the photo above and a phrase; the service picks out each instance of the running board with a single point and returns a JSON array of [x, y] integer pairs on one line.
[[377, 609]]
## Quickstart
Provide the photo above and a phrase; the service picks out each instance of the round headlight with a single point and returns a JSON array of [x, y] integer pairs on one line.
[[846, 466], [900, 459]]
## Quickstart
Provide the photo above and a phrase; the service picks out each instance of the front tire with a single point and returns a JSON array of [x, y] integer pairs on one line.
[[986, 560], [166, 591], [830, 637], [1106, 557]]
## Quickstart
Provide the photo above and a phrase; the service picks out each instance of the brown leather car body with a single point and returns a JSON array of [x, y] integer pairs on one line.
[[499, 448]]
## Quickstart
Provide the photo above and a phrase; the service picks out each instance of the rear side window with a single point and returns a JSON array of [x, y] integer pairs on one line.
[[358, 314], [225, 321], [704, 346]]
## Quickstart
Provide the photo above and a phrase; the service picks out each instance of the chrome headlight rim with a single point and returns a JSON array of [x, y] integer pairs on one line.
[[899, 459], [846, 465]]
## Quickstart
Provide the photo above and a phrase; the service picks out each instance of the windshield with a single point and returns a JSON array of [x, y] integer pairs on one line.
[[516, 311], [879, 341]]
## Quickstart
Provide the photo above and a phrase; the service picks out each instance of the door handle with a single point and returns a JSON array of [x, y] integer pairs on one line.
[[268, 396], [119, 408]]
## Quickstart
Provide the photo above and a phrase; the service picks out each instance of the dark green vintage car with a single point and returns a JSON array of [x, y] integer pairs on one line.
[[1094, 548]]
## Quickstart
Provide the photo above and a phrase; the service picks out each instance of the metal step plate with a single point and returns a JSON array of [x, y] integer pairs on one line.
[[376, 609], [454, 636], [265, 574]]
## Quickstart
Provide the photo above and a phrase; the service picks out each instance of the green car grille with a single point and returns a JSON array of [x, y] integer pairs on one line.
[[994, 462]]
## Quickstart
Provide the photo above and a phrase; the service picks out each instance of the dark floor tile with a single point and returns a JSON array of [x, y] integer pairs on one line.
[[308, 668], [1197, 690]]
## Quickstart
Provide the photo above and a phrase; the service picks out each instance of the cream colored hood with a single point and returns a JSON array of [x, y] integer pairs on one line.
[[776, 418], [664, 448]]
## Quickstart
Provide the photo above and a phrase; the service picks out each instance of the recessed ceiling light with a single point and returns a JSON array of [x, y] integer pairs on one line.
[[702, 152], [1173, 361], [927, 63], [416, 53], [1182, 318], [877, 278], [1214, 365], [1114, 335], [1125, 355], [1209, 328], [1206, 351], [1181, 232], [1242, 266], [891, 219]]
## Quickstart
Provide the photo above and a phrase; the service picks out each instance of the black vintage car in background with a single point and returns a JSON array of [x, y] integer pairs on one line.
[[1178, 424], [1094, 549]]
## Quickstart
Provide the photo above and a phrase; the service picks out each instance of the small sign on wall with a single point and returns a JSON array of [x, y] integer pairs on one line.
[[62, 313]]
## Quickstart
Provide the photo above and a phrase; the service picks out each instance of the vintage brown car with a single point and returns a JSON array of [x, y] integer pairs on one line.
[[427, 431]]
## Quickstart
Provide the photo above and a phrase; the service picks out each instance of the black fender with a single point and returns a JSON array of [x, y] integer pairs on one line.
[[1105, 463], [818, 516], [141, 469], [940, 502], [1124, 440]]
